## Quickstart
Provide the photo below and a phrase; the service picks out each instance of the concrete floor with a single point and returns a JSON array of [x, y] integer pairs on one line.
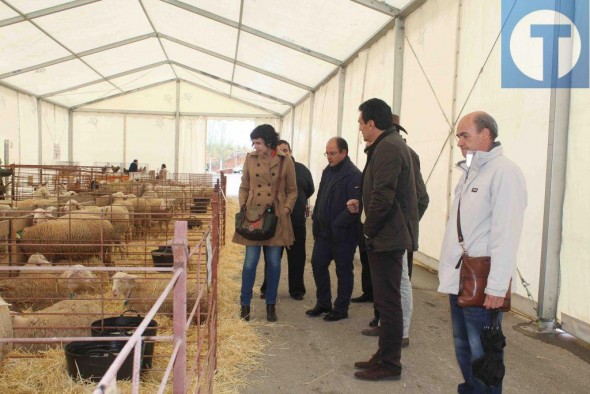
[[310, 355]]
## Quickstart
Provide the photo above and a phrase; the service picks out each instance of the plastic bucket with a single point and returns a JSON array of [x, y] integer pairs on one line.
[[124, 326], [163, 256], [91, 360]]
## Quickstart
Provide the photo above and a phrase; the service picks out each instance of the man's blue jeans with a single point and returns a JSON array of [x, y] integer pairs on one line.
[[468, 323], [273, 273]]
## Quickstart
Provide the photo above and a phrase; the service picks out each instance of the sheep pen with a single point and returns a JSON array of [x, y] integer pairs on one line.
[[239, 346]]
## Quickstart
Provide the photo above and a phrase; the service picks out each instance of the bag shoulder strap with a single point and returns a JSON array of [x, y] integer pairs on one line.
[[460, 235]]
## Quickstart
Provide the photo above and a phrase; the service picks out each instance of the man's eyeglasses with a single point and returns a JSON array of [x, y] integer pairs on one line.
[[330, 154]]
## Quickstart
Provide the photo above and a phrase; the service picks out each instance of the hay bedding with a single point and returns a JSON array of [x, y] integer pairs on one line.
[[239, 346]]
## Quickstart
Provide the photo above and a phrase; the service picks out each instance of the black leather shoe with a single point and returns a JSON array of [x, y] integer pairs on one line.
[[335, 316], [362, 298], [263, 295], [271, 313], [245, 312], [297, 297], [374, 322], [317, 310]]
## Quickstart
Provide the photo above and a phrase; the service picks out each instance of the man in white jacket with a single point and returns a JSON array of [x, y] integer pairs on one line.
[[493, 197]]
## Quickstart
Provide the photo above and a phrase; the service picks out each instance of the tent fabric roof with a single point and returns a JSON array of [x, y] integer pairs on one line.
[[265, 52]]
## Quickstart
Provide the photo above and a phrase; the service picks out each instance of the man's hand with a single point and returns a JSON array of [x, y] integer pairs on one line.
[[353, 206], [287, 211], [493, 302]]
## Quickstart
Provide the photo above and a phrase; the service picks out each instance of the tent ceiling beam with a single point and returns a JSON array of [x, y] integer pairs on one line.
[[169, 113], [43, 12], [239, 63], [233, 71], [158, 38], [233, 98], [378, 6], [253, 31], [80, 54], [107, 79], [153, 85], [410, 7], [58, 42], [23, 91], [268, 96]]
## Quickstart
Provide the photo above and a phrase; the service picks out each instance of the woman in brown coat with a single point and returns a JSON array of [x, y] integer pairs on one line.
[[260, 179]]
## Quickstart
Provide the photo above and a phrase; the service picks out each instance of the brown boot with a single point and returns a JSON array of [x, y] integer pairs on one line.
[[372, 332], [245, 312], [271, 313], [372, 363], [378, 373]]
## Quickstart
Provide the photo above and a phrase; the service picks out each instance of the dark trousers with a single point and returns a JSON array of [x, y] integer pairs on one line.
[[296, 263], [324, 251], [386, 273], [366, 275]]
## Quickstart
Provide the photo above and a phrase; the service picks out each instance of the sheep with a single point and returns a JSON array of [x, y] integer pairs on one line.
[[119, 217], [141, 214], [160, 211], [141, 293], [41, 215], [5, 330], [63, 191], [70, 236], [65, 318], [46, 288], [36, 260], [41, 191]]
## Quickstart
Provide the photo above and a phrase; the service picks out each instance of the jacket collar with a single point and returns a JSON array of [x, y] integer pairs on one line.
[[274, 161], [480, 158]]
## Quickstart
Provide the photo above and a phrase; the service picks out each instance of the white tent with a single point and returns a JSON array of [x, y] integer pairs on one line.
[[107, 80]]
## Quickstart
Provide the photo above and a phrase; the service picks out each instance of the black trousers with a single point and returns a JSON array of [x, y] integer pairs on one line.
[[366, 274], [324, 251], [296, 263], [386, 274]]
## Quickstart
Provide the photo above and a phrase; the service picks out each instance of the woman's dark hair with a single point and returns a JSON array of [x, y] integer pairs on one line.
[[267, 133]]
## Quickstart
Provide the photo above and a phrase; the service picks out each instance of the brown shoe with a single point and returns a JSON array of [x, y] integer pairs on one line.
[[378, 373], [372, 332], [405, 342], [372, 363]]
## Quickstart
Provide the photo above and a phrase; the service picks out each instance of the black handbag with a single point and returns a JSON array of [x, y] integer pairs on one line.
[[259, 223]]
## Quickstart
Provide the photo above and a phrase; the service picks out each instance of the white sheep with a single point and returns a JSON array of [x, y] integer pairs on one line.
[[36, 260], [141, 293], [41, 191], [41, 215], [77, 280], [66, 318], [160, 211], [5, 330], [70, 237]]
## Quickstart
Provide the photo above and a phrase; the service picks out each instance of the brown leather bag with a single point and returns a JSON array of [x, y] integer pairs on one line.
[[473, 282], [474, 276]]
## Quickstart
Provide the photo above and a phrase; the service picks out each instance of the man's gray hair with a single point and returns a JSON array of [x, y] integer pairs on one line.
[[485, 121]]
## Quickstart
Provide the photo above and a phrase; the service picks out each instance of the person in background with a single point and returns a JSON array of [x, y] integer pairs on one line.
[[133, 166], [163, 174], [260, 180], [491, 195], [335, 230], [296, 253]]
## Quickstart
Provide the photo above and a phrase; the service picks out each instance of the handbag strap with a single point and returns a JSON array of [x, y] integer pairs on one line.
[[460, 235]]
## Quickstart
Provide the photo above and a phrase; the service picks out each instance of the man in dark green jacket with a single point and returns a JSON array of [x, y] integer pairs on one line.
[[390, 228]]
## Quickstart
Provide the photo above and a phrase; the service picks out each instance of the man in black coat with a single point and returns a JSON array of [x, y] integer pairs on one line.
[[390, 228], [335, 231], [133, 166], [296, 253]]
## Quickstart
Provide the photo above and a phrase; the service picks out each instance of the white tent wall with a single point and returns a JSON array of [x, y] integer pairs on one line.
[[300, 140], [151, 140], [192, 145], [55, 140], [353, 97], [427, 98], [158, 98], [10, 103], [98, 138], [575, 248]]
